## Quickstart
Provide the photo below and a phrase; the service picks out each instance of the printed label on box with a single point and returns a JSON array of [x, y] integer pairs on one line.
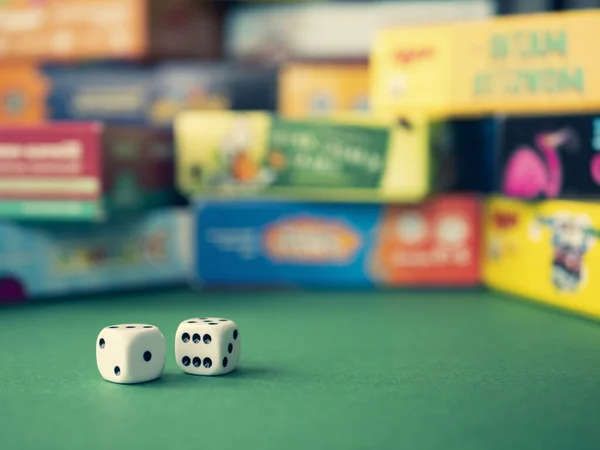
[[322, 155], [522, 63], [105, 252], [50, 210], [540, 61], [433, 242], [310, 240], [84, 170], [550, 157], [122, 93], [47, 260], [412, 68], [61, 162], [544, 251], [228, 153]]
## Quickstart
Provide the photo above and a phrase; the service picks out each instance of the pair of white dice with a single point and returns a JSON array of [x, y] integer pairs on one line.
[[136, 353]]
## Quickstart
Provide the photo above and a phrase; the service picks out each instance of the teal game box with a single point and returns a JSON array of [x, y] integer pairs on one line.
[[40, 261], [84, 171]]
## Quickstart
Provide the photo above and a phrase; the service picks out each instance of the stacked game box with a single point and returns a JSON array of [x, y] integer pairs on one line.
[[535, 77], [328, 192], [382, 198], [532, 63], [111, 128], [88, 30], [130, 156], [326, 31], [324, 48], [337, 245], [542, 224], [88, 201], [339, 201]]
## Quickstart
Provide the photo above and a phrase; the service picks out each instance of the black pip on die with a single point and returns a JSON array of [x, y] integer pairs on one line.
[[131, 353], [207, 346]]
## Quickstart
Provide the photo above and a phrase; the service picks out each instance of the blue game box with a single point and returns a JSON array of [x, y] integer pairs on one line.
[[40, 261], [128, 93], [295, 244]]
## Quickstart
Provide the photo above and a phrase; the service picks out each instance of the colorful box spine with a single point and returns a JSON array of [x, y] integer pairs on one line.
[[84, 170], [436, 243], [122, 93], [139, 169], [112, 94], [194, 86], [48, 163], [311, 89], [67, 30], [545, 252], [41, 260], [531, 63], [345, 158], [249, 153], [550, 156], [331, 30]]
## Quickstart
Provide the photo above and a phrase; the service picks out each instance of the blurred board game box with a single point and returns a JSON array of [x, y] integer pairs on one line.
[[544, 251], [550, 156], [331, 30], [42, 260], [411, 68], [84, 171], [68, 30], [193, 86], [515, 64], [316, 88], [260, 243], [131, 93], [347, 158]]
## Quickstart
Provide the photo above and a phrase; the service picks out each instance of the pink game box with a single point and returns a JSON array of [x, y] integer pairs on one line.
[[84, 171]]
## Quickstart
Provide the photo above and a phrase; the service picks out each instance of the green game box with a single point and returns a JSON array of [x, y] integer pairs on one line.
[[346, 158]]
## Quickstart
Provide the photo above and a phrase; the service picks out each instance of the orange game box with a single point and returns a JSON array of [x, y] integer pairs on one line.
[[61, 30], [315, 88]]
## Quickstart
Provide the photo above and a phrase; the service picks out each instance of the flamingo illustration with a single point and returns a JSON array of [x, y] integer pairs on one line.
[[527, 175]]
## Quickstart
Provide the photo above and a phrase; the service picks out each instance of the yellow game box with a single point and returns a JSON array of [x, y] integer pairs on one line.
[[544, 251], [373, 159], [411, 68], [525, 63], [309, 89]]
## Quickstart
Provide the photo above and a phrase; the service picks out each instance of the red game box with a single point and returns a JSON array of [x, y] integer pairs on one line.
[[83, 171]]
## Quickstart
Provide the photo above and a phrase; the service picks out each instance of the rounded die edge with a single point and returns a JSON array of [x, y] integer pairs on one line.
[[133, 380], [130, 327]]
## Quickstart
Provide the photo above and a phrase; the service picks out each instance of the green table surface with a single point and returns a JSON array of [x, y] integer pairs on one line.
[[319, 370]]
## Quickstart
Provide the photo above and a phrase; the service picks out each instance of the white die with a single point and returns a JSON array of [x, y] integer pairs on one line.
[[207, 346], [131, 353]]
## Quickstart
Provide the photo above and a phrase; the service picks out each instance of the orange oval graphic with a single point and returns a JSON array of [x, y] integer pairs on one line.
[[311, 240]]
